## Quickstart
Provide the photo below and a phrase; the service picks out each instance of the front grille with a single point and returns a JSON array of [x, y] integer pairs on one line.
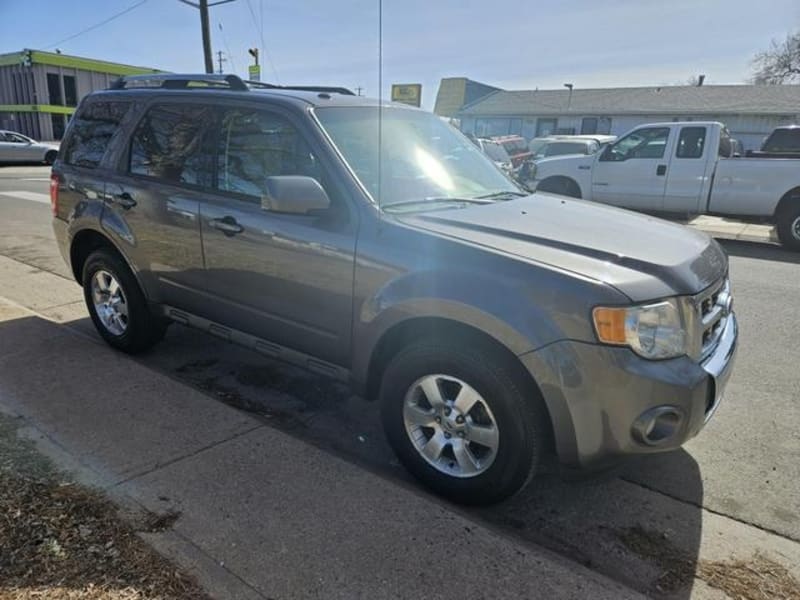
[[713, 308]]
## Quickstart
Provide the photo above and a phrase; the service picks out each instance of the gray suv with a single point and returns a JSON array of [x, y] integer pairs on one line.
[[375, 244]]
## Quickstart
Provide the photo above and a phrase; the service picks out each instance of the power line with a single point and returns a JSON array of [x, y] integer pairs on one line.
[[260, 32], [93, 27], [227, 47]]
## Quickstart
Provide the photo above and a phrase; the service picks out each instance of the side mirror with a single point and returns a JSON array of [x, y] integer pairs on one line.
[[294, 194]]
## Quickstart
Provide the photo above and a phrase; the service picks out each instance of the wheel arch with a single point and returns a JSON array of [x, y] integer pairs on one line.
[[405, 332], [555, 180], [793, 195], [86, 241]]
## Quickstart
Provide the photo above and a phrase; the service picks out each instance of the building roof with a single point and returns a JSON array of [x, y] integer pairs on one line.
[[668, 100], [76, 62]]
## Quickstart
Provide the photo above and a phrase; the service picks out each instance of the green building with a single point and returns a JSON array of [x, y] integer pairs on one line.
[[40, 90]]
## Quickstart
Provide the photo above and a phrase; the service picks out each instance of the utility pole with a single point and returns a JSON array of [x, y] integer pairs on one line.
[[203, 7], [220, 60], [359, 89]]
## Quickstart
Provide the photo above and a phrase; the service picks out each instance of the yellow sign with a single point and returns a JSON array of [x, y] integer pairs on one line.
[[407, 93]]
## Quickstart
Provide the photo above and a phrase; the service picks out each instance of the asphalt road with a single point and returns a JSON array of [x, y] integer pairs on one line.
[[738, 480]]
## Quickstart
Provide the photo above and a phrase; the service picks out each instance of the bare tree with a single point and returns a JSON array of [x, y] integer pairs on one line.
[[779, 64]]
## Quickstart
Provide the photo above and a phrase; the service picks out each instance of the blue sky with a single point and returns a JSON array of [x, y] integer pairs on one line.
[[520, 44]]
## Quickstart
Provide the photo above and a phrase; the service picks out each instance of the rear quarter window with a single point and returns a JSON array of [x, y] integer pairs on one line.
[[91, 131]]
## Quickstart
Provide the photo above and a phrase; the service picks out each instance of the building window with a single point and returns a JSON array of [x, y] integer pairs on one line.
[[545, 127], [58, 126], [492, 127], [589, 126], [54, 89], [596, 126], [516, 127], [70, 92]]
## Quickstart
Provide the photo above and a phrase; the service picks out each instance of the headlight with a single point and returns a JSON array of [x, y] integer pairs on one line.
[[653, 331]]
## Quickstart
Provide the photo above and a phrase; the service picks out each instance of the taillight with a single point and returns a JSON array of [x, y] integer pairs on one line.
[[54, 183]]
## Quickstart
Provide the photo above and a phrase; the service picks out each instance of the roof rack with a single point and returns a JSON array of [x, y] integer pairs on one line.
[[175, 81], [179, 82], [301, 88]]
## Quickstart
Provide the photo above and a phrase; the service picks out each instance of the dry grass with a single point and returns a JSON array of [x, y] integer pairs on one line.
[[62, 541], [759, 578]]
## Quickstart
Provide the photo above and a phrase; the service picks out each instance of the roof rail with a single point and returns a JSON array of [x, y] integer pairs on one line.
[[179, 82], [301, 88]]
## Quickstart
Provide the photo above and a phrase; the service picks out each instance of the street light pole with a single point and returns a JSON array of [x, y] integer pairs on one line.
[[203, 7]]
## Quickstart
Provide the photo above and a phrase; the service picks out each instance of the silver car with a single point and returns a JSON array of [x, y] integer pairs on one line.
[[18, 148]]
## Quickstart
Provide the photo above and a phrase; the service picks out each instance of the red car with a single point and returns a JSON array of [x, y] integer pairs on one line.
[[515, 146]]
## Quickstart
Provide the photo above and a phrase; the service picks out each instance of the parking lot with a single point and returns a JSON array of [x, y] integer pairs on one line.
[[674, 525]]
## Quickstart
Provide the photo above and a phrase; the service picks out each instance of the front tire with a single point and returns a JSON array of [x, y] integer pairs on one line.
[[50, 157], [788, 225], [459, 421], [117, 305]]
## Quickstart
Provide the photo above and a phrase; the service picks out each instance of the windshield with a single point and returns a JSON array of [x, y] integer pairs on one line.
[[496, 152], [783, 140], [422, 157]]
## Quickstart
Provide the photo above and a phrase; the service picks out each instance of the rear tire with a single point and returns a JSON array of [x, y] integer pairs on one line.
[[117, 305], [496, 448], [788, 225], [50, 157]]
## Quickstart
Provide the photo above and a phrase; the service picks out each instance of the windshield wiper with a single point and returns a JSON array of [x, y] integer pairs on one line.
[[501, 195], [438, 200]]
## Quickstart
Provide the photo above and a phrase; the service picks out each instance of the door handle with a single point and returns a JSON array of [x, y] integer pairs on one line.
[[226, 225], [123, 200], [661, 170]]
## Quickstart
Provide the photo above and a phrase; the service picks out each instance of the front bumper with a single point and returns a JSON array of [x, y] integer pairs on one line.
[[597, 396]]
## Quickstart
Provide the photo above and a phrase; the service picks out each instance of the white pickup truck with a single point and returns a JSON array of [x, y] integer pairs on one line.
[[684, 168]]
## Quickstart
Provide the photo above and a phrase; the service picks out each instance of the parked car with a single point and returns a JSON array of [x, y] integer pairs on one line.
[[783, 142], [15, 147], [515, 146], [497, 153], [683, 168], [491, 326], [563, 145]]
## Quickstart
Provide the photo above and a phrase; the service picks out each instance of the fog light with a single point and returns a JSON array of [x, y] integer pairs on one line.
[[657, 425]]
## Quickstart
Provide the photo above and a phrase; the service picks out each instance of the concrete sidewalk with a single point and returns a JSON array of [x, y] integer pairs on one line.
[[262, 514], [728, 229]]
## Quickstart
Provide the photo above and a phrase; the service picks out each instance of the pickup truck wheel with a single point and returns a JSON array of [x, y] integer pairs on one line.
[[117, 305], [460, 422], [788, 225]]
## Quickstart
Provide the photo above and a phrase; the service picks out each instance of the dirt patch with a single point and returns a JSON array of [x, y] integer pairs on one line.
[[59, 540], [758, 578]]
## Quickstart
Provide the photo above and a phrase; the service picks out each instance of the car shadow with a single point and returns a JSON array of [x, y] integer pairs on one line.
[[640, 525], [760, 251], [619, 523]]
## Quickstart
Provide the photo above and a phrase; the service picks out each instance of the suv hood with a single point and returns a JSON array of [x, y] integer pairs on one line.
[[642, 256]]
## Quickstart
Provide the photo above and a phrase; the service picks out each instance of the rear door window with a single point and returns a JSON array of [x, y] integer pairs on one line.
[[172, 143], [91, 132], [691, 142]]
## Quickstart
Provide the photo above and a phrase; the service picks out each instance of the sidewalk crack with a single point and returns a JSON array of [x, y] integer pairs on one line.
[[192, 454], [713, 511]]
